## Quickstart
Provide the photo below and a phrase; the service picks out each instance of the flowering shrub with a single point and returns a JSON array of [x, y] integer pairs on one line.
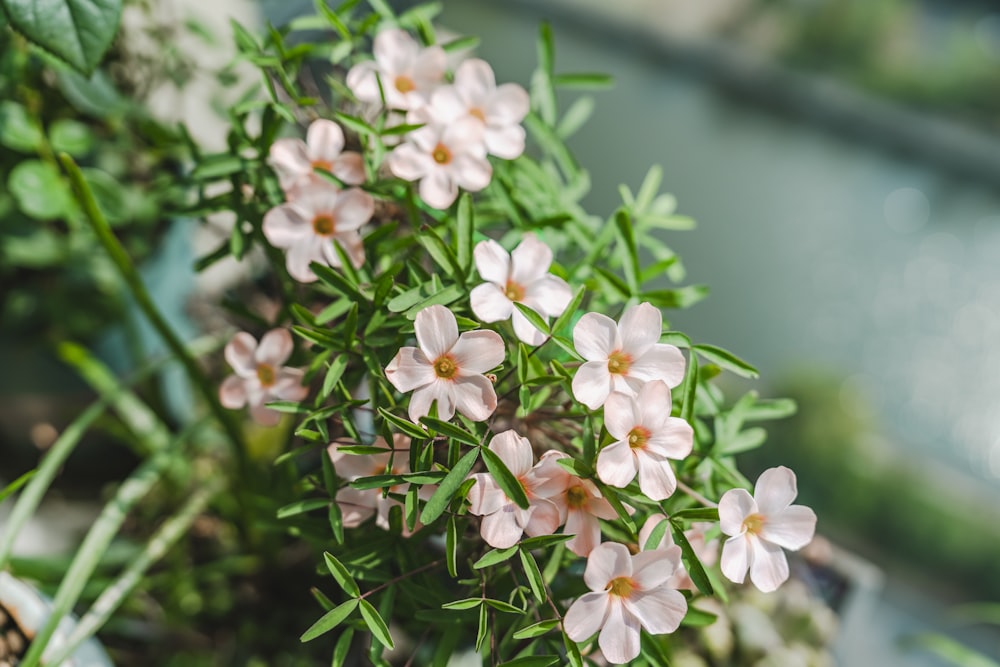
[[450, 296]]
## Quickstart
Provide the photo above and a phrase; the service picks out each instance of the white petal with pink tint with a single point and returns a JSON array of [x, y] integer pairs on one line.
[[275, 347], [260, 376], [408, 72]]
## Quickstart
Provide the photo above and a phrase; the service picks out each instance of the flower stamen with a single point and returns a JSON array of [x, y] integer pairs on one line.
[[753, 523], [619, 363], [576, 497], [404, 84], [445, 367], [513, 291], [638, 437], [476, 112], [266, 375], [324, 225], [621, 586], [441, 154]]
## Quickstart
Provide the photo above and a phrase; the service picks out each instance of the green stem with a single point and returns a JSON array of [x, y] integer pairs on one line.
[[142, 297]]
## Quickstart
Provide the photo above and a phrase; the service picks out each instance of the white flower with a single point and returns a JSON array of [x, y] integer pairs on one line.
[[627, 592], [447, 367], [294, 160], [260, 376], [408, 72], [521, 276], [443, 157], [308, 226], [622, 357], [500, 109], [646, 437], [503, 521], [760, 525], [580, 504]]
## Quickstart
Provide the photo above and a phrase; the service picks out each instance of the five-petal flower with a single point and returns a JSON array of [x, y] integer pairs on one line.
[[580, 504], [447, 367], [760, 525], [294, 160], [260, 376], [622, 357], [518, 277], [627, 593], [408, 73]]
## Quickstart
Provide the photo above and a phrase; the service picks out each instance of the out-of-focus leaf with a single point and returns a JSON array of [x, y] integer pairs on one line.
[[77, 31]]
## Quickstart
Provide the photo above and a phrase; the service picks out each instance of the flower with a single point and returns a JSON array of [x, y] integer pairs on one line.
[[518, 277], [621, 357], [358, 505], [579, 502], [706, 551], [503, 521], [320, 215], [294, 160], [627, 592], [447, 367], [408, 72], [646, 436], [443, 157], [500, 109], [760, 525], [260, 376]]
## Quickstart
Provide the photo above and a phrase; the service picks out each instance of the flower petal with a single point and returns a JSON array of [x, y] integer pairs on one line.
[[656, 477], [275, 348], [607, 561], [775, 490], [660, 362], [544, 518], [288, 385], [485, 497], [525, 330], [651, 569], [240, 352], [289, 159], [476, 79], [592, 384], [446, 105], [408, 162], [514, 450], [490, 304], [735, 506], [438, 188], [549, 295], [674, 440], [356, 506], [422, 398], [325, 140], [619, 639], [791, 528], [530, 260], [641, 326], [620, 415], [508, 105], [478, 351], [506, 141], [474, 397], [769, 566], [303, 252], [735, 559], [233, 393], [500, 529], [395, 50], [586, 615], [285, 225], [471, 172], [647, 529], [492, 262], [659, 611], [464, 136], [616, 464], [595, 337], [350, 168], [585, 528], [363, 82], [353, 209], [263, 415], [437, 331]]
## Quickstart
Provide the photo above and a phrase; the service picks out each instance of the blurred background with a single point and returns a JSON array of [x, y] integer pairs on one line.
[[842, 161]]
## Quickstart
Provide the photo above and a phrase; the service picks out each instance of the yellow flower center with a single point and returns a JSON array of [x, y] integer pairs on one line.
[[576, 497], [619, 363], [322, 164], [638, 437], [476, 112], [445, 367], [753, 523], [265, 374], [441, 154], [404, 84], [324, 225], [513, 291], [621, 586]]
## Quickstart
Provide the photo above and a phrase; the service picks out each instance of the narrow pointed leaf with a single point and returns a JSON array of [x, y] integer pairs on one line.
[[329, 620], [505, 478]]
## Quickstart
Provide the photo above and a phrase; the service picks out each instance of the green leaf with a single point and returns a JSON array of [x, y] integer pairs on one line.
[[623, 222], [450, 430], [744, 441], [536, 320], [698, 514], [39, 190], [615, 282], [333, 374], [18, 130], [77, 31], [329, 620], [12, 488], [770, 408], [451, 547], [505, 478], [375, 623], [495, 557], [483, 627], [342, 648], [543, 541], [690, 389], [537, 629], [587, 80], [302, 506], [682, 297], [503, 606], [567, 315], [465, 229], [467, 603], [952, 651], [697, 618], [407, 427], [461, 44], [342, 576], [448, 486], [691, 562], [533, 573], [406, 300], [727, 360]]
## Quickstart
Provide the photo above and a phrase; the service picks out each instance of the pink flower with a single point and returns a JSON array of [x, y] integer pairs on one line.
[[443, 157], [447, 367], [503, 521], [260, 376], [760, 525], [706, 551], [622, 357], [408, 72], [500, 109], [294, 160], [521, 276], [308, 226], [579, 502], [627, 592], [646, 436], [358, 505]]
